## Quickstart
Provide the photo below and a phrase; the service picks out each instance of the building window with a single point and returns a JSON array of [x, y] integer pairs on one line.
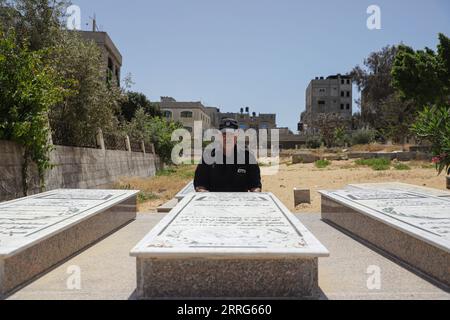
[[348, 93], [321, 102], [342, 81], [348, 81], [342, 106], [187, 114], [348, 106], [342, 94], [167, 114]]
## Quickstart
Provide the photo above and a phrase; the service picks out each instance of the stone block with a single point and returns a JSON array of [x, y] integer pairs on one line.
[[228, 245], [421, 156], [304, 158], [386, 155], [39, 232], [411, 226], [405, 156], [168, 206], [302, 196], [362, 155]]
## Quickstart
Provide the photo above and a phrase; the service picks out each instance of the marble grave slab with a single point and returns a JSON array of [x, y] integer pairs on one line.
[[228, 245], [40, 231], [408, 224], [399, 186]]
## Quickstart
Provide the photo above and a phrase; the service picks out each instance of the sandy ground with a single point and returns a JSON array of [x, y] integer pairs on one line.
[[339, 175]]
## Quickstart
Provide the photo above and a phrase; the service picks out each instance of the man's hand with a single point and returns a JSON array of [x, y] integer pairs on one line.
[[256, 190], [201, 190]]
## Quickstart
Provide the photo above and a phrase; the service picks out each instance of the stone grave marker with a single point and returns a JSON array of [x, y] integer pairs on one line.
[[40, 231], [410, 225], [398, 186], [218, 245]]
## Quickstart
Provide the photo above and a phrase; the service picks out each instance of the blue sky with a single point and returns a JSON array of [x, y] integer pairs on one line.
[[256, 53]]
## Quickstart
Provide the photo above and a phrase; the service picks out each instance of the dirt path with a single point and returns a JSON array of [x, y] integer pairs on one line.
[[339, 175], [158, 190]]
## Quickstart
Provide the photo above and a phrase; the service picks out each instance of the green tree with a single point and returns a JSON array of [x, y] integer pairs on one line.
[[154, 130], [28, 88], [381, 107], [37, 22], [94, 105], [424, 75], [135, 101]]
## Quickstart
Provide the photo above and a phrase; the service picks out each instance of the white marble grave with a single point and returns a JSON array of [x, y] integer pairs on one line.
[[39, 231], [188, 189], [411, 225], [219, 244], [399, 186]]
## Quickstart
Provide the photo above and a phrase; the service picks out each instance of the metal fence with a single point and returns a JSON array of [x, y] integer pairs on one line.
[[107, 141], [115, 141]]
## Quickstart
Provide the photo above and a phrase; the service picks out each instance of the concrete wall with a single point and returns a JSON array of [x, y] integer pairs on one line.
[[73, 168]]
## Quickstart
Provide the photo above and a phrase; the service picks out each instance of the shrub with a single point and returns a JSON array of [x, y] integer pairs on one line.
[[314, 143], [375, 164], [153, 130], [363, 137], [433, 125], [144, 196], [321, 164]]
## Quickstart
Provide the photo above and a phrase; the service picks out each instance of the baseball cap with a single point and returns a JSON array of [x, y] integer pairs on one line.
[[228, 124]]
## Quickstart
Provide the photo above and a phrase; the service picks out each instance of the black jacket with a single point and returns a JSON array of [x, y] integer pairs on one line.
[[229, 177]]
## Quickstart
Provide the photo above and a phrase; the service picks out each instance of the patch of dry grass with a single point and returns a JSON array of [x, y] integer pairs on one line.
[[156, 191]]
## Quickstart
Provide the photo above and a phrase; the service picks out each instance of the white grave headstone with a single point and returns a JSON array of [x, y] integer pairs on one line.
[[236, 231], [47, 228], [411, 225], [398, 186]]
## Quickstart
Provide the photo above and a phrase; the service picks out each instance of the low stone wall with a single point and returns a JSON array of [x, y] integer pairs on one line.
[[73, 168], [308, 157]]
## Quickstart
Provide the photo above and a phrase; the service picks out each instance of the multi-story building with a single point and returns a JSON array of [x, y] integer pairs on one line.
[[330, 96], [111, 55], [187, 113], [214, 115], [245, 119]]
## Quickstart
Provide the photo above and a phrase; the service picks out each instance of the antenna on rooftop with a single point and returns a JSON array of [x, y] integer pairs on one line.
[[94, 23]]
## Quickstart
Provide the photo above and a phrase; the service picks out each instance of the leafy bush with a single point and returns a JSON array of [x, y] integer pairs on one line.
[[341, 137], [93, 103], [433, 124], [133, 102], [375, 164], [321, 164], [144, 196], [28, 89], [363, 137], [314, 142], [153, 130]]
